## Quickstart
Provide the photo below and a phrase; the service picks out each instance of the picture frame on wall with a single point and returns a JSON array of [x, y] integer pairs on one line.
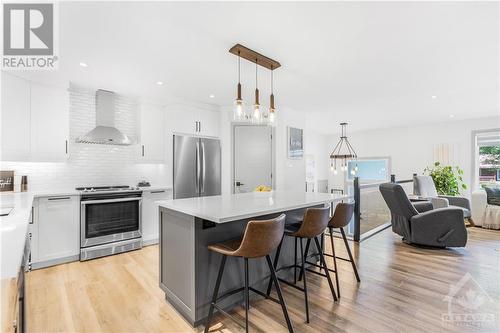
[[295, 142]]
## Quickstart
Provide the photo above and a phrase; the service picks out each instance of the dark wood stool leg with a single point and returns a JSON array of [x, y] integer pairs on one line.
[[304, 254], [216, 291], [280, 296], [327, 272], [247, 296], [350, 255], [303, 274], [335, 262], [275, 265]]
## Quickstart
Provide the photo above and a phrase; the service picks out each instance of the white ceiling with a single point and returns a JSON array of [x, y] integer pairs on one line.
[[371, 64]]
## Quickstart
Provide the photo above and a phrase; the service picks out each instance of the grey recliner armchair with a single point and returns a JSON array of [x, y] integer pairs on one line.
[[442, 227], [424, 186]]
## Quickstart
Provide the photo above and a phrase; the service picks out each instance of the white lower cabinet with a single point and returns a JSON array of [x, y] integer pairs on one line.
[[150, 224], [55, 230]]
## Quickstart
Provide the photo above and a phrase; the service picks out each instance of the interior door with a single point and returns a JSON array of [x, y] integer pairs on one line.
[[210, 167], [253, 157], [186, 166]]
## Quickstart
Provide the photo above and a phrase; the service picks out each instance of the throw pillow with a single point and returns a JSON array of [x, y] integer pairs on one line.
[[493, 195]]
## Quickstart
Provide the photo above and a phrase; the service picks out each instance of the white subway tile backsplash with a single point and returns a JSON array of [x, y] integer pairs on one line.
[[93, 164]]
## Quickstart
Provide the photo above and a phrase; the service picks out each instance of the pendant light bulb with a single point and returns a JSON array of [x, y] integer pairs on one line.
[[239, 106], [256, 116], [334, 167], [272, 109]]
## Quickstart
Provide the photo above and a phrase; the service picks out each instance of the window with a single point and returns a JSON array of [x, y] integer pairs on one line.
[[486, 161], [369, 170]]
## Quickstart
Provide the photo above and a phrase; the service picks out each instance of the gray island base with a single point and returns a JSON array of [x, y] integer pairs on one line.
[[188, 270]]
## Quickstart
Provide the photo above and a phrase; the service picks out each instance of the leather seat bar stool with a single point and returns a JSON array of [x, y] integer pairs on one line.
[[314, 224], [259, 240], [340, 219]]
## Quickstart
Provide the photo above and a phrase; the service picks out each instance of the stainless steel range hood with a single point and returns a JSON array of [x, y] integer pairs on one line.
[[105, 132]]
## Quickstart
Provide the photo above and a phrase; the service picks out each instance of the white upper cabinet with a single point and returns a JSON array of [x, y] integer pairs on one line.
[[180, 120], [34, 122], [208, 123], [49, 123], [152, 133], [15, 118], [184, 119]]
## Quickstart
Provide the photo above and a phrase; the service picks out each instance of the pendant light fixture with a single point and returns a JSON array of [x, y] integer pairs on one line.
[[343, 151], [272, 109], [239, 107], [256, 116]]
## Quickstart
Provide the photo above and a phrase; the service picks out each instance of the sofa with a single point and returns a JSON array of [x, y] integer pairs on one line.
[[485, 214], [420, 223]]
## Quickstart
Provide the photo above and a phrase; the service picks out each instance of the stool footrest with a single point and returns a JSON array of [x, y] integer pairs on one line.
[[229, 293], [340, 258], [293, 285], [319, 266]]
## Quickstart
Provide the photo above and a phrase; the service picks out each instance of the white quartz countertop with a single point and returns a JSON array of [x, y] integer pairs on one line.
[[232, 207], [13, 231]]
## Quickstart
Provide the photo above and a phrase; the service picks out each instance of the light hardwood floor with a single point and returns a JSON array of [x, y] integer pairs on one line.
[[402, 290]]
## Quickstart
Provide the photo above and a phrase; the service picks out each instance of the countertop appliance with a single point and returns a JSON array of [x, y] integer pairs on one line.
[[197, 167], [110, 220]]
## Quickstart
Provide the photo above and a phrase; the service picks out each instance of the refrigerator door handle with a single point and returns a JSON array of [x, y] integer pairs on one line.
[[197, 179], [203, 168]]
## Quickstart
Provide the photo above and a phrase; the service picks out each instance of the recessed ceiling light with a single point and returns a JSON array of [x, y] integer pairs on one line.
[[83, 64], [452, 116], [434, 97], [160, 83], [211, 96]]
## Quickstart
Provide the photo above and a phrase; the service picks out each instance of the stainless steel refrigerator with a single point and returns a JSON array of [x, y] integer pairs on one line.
[[197, 170]]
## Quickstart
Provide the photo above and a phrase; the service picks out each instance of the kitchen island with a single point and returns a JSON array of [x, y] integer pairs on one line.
[[188, 270]]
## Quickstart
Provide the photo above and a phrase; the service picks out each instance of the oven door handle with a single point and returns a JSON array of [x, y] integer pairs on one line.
[[87, 202]]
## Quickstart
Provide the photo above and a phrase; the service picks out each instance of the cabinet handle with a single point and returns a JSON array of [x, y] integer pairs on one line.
[[199, 126], [32, 215], [160, 191], [142, 150], [60, 198], [66, 145], [196, 126]]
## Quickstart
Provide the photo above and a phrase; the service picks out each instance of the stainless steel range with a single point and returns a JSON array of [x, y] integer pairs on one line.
[[110, 220]]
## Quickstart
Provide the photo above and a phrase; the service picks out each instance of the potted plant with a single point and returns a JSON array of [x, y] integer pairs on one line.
[[447, 179]]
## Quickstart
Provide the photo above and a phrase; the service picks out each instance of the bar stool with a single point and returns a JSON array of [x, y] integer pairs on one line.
[[259, 240], [340, 219], [314, 224]]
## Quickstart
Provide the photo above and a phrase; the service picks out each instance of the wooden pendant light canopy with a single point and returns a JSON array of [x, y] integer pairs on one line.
[[254, 57]]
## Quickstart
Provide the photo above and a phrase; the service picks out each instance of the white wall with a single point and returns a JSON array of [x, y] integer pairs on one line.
[[413, 148]]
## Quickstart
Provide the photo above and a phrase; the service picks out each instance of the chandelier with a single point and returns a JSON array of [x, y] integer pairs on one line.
[[256, 114], [342, 152]]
